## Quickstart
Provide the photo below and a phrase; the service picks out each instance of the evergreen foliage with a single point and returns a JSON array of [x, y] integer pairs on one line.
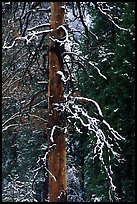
[[114, 54]]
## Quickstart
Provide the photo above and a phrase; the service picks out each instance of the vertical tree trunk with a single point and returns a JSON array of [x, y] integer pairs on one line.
[[57, 155]]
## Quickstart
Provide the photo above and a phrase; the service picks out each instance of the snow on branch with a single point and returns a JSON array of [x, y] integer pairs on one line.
[[86, 60], [52, 133], [118, 136], [53, 130], [105, 137], [66, 36], [44, 160], [98, 70], [9, 126], [11, 118], [28, 38], [63, 77], [39, 26], [50, 149], [110, 18], [82, 99], [34, 35]]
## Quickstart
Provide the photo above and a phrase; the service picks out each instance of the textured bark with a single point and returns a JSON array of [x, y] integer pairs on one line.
[[57, 155]]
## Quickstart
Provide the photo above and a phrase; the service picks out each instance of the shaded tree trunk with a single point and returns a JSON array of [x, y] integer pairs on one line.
[[57, 154]]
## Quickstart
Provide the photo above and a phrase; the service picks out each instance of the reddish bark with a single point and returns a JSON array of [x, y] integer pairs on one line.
[[57, 156]]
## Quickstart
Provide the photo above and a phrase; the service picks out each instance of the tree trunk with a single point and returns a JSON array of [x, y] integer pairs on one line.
[[57, 154]]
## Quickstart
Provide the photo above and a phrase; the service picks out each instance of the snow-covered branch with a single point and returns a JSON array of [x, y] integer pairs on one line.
[[85, 60], [83, 99], [39, 26], [34, 35], [63, 77], [27, 39], [110, 18], [53, 130], [9, 126], [66, 40], [11, 118], [105, 136]]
